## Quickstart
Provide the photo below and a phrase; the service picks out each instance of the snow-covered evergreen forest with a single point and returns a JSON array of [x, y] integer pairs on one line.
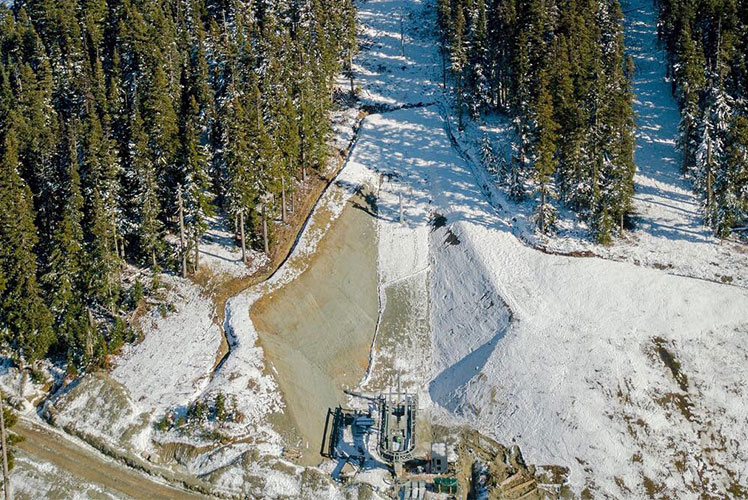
[[125, 124], [558, 69], [707, 43]]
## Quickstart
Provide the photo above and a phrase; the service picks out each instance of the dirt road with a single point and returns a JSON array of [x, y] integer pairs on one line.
[[50, 446]]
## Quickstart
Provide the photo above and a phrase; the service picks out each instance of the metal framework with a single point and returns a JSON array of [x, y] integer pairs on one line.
[[397, 426]]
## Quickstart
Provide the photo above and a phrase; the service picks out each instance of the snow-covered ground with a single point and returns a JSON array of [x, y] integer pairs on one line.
[[173, 362], [221, 253], [32, 478], [165, 371], [668, 232], [632, 377]]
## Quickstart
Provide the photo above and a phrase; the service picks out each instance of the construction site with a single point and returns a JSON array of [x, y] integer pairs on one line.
[[423, 460], [384, 436]]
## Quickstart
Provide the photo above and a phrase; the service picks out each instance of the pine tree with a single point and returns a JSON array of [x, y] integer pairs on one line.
[[241, 193], [62, 275], [161, 123], [731, 180], [287, 142], [458, 58], [690, 78], [146, 227], [349, 41], [711, 150], [25, 322], [193, 178], [544, 154], [477, 63], [99, 189], [573, 176]]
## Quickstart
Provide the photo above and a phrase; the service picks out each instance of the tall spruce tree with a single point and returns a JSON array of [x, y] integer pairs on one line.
[[25, 322]]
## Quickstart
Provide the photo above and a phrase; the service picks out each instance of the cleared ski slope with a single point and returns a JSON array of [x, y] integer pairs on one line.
[[563, 356]]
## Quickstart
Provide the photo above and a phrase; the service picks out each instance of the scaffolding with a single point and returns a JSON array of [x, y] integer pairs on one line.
[[397, 426]]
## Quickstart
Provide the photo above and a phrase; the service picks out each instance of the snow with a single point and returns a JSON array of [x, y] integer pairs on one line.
[[32, 478], [391, 73], [172, 364], [242, 376], [669, 233], [562, 355], [167, 370], [220, 252]]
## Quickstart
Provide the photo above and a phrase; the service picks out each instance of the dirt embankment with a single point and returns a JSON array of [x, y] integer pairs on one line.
[[317, 330]]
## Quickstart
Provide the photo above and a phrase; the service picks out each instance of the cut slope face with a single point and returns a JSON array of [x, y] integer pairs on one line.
[[317, 330]]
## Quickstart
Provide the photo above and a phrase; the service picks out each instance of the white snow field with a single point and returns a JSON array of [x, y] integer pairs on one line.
[[631, 376]]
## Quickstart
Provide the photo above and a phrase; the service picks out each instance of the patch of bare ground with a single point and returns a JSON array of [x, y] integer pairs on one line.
[[704, 465], [505, 473]]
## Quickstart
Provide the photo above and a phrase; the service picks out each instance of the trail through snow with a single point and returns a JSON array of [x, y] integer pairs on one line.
[[667, 206], [669, 223]]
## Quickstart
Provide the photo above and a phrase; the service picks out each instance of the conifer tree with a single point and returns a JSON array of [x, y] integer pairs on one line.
[[544, 154], [144, 205], [287, 142], [458, 58], [731, 180], [349, 41], [123, 107], [64, 270], [24, 319], [193, 178], [161, 124], [99, 189]]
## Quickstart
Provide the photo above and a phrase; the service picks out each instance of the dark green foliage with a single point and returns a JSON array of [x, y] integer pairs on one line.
[[25, 321], [108, 110], [707, 42], [557, 67], [10, 419], [221, 413]]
